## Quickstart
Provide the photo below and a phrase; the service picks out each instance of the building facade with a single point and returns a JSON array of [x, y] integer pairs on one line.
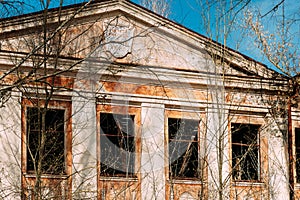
[[107, 100]]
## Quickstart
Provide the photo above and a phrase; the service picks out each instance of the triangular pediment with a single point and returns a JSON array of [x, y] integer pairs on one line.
[[121, 31]]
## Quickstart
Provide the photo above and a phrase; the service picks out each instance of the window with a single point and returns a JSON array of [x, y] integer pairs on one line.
[[245, 151], [45, 140], [183, 148], [117, 144], [297, 144]]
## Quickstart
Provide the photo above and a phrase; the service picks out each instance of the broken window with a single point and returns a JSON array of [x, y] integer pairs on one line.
[[297, 144], [45, 140], [245, 151], [117, 144], [183, 148]]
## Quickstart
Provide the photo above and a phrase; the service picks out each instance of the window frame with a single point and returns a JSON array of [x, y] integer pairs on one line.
[[297, 178], [37, 133], [52, 104], [120, 110], [258, 146], [187, 115], [295, 125]]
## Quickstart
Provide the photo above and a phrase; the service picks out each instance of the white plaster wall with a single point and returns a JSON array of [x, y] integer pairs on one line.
[[157, 49], [148, 45], [84, 138], [10, 148], [278, 165], [152, 160], [217, 145], [217, 139]]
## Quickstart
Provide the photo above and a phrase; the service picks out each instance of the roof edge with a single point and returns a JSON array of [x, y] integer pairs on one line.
[[182, 30]]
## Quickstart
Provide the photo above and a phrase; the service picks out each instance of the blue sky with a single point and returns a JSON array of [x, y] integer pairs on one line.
[[184, 12]]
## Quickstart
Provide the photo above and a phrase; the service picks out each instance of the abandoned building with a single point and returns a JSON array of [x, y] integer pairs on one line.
[[108, 100]]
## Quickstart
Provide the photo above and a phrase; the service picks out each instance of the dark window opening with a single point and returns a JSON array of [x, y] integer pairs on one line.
[[183, 148], [45, 141], [297, 144], [245, 151], [117, 144]]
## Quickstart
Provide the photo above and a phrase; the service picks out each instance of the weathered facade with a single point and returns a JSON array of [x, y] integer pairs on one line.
[[107, 100]]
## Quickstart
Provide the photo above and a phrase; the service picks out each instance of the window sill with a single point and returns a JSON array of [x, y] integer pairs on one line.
[[118, 178], [248, 183], [186, 181], [297, 186], [48, 176]]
